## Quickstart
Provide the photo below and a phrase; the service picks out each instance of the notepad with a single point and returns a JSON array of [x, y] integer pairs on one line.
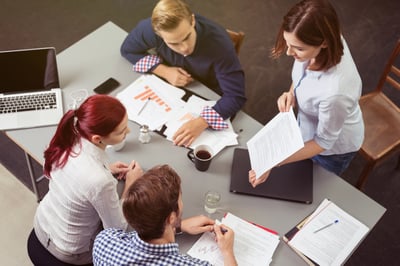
[[320, 240], [254, 244]]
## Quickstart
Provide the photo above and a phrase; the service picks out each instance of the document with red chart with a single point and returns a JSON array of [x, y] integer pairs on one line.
[[150, 100], [254, 244]]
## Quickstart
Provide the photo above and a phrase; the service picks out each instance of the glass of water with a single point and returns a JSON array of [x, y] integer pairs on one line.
[[77, 97], [211, 201]]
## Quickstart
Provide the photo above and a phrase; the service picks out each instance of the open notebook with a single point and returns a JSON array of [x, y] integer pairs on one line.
[[30, 94], [292, 182]]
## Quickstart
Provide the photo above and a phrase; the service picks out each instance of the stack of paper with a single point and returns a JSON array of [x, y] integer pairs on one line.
[[327, 236], [253, 245], [150, 100], [217, 139]]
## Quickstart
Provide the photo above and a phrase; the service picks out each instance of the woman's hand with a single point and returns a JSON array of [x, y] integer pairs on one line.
[[285, 101], [256, 181], [119, 169]]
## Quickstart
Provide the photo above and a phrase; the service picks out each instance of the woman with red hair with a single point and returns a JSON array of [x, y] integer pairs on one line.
[[82, 197]]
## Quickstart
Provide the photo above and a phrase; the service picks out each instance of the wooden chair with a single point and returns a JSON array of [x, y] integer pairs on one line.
[[381, 118], [237, 39]]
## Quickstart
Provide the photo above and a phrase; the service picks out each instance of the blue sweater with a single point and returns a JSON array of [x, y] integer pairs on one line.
[[213, 62]]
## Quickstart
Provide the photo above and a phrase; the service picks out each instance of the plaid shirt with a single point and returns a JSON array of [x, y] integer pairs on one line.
[[214, 120], [116, 247]]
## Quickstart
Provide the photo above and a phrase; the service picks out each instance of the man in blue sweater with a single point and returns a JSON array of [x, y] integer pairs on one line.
[[180, 47]]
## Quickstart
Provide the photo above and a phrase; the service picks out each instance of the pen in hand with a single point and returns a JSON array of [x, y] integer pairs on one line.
[[326, 226], [223, 230]]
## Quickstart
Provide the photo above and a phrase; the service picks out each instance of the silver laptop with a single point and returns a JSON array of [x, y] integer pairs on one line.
[[30, 94]]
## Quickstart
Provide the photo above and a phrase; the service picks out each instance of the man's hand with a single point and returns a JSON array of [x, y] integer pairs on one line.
[[225, 239], [197, 225], [189, 131], [176, 76], [255, 182]]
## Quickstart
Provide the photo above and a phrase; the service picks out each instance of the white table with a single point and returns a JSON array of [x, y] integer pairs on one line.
[[96, 57]]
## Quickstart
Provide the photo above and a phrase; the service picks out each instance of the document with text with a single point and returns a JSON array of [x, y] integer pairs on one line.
[[277, 140], [217, 139], [327, 236], [253, 244]]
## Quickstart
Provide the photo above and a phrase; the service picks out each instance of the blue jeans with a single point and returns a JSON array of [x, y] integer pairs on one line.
[[336, 163]]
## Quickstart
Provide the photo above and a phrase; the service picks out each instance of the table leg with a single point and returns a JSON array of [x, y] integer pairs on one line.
[[34, 180]]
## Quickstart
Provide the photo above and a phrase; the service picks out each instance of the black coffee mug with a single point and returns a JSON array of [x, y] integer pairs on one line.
[[201, 156]]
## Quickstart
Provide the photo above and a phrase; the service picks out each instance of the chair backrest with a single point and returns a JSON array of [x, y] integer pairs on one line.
[[237, 39], [391, 73]]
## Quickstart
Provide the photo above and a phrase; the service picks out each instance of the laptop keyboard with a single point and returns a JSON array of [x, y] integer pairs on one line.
[[32, 102]]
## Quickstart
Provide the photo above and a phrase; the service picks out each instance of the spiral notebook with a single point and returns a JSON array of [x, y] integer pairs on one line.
[[292, 182]]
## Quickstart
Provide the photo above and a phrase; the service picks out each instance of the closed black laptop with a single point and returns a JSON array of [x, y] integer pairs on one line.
[[292, 182]]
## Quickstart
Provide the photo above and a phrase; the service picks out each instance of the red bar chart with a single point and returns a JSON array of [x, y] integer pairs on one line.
[[148, 93]]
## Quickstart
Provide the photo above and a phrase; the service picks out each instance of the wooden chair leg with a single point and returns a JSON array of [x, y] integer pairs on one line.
[[364, 174]]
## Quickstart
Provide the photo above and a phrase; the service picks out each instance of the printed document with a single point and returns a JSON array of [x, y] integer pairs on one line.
[[329, 235], [150, 100], [277, 140], [253, 245], [217, 139]]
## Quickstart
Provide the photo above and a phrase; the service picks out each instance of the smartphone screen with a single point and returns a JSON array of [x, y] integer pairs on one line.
[[107, 86]]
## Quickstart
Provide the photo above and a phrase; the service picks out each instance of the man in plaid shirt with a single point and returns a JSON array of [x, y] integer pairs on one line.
[[153, 208]]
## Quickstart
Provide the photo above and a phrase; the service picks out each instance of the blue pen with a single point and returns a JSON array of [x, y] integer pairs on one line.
[[326, 226]]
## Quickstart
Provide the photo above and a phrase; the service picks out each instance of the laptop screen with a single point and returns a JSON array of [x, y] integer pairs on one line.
[[28, 70]]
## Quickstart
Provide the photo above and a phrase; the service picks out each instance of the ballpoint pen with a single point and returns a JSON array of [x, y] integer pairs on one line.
[[144, 105], [326, 226]]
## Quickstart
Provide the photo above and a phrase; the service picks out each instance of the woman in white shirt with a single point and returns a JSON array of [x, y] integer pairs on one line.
[[82, 197], [325, 87]]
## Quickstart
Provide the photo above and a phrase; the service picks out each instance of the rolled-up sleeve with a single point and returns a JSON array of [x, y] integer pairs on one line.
[[332, 115]]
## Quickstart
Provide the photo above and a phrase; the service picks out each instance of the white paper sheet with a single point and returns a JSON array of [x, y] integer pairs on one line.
[[253, 245], [165, 100], [217, 139], [331, 245], [277, 140]]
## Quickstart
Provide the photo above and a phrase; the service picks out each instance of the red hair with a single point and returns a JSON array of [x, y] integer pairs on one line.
[[97, 115]]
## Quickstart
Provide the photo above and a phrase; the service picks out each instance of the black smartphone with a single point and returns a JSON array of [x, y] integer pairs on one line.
[[107, 86]]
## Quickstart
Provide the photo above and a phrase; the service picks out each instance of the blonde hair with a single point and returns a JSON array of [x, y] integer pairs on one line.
[[167, 14]]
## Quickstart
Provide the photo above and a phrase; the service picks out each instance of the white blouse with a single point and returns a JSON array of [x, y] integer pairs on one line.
[[328, 109], [82, 196]]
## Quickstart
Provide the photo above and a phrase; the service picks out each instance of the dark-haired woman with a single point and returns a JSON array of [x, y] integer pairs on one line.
[[325, 87]]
